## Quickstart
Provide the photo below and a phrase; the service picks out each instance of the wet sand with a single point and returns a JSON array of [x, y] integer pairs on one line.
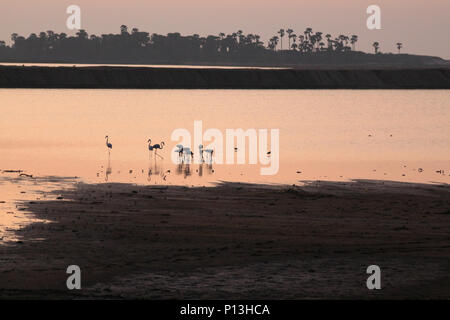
[[235, 241]]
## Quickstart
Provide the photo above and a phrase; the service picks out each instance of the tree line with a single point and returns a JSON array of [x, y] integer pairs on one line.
[[136, 45]]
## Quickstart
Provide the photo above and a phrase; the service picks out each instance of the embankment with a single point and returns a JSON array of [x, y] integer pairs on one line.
[[210, 78]]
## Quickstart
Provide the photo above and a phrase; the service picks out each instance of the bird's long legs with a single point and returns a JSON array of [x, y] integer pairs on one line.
[[156, 154]]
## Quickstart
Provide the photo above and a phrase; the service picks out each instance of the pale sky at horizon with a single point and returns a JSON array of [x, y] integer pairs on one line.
[[422, 26]]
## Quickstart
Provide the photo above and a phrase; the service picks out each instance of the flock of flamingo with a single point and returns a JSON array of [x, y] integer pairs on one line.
[[185, 156], [182, 151]]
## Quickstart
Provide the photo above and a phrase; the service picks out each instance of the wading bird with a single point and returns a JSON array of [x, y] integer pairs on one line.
[[200, 151], [150, 148], [188, 152], [108, 145], [158, 146], [179, 150], [210, 152]]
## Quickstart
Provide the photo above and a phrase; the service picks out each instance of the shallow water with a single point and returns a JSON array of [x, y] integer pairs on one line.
[[396, 135], [183, 66], [323, 133]]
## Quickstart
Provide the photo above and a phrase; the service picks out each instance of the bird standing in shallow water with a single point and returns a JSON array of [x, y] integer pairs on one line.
[[108, 145], [158, 146], [150, 148]]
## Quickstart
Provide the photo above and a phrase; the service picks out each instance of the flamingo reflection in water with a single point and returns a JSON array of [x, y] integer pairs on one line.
[[156, 163], [108, 167], [185, 158]]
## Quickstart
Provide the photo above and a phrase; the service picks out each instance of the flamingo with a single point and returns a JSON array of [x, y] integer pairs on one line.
[[108, 145], [158, 146], [211, 152], [150, 148], [179, 150], [187, 151], [200, 151]]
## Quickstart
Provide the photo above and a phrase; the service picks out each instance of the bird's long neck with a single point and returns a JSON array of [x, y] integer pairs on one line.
[[107, 141]]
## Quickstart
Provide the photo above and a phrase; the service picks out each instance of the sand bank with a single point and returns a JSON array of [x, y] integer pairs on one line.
[[235, 241]]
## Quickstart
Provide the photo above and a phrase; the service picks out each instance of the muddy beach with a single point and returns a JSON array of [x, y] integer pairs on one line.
[[234, 241]]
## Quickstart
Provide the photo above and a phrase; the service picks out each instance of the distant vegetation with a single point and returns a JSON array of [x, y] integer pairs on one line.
[[237, 48]]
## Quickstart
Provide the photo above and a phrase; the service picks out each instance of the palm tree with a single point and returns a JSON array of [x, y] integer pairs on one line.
[[273, 43], [318, 39], [376, 46], [301, 45], [123, 29], [289, 32], [281, 33], [257, 38], [82, 34], [14, 37], [399, 46], [330, 45], [353, 40]]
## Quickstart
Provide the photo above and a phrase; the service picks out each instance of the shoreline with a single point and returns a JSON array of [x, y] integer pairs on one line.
[[116, 77], [235, 241]]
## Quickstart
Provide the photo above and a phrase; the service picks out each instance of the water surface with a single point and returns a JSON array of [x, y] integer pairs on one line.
[[324, 135]]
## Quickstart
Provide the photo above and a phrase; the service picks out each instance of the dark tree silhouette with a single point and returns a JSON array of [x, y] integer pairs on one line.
[[136, 46], [353, 41], [289, 32], [376, 46], [281, 33]]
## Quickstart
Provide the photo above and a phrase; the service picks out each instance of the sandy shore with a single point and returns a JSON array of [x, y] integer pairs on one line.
[[235, 241], [210, 78]]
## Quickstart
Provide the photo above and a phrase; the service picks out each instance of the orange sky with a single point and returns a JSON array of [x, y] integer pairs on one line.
[[422, 26]]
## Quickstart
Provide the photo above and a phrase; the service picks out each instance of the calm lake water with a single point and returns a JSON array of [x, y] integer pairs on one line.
[[324, 134]]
